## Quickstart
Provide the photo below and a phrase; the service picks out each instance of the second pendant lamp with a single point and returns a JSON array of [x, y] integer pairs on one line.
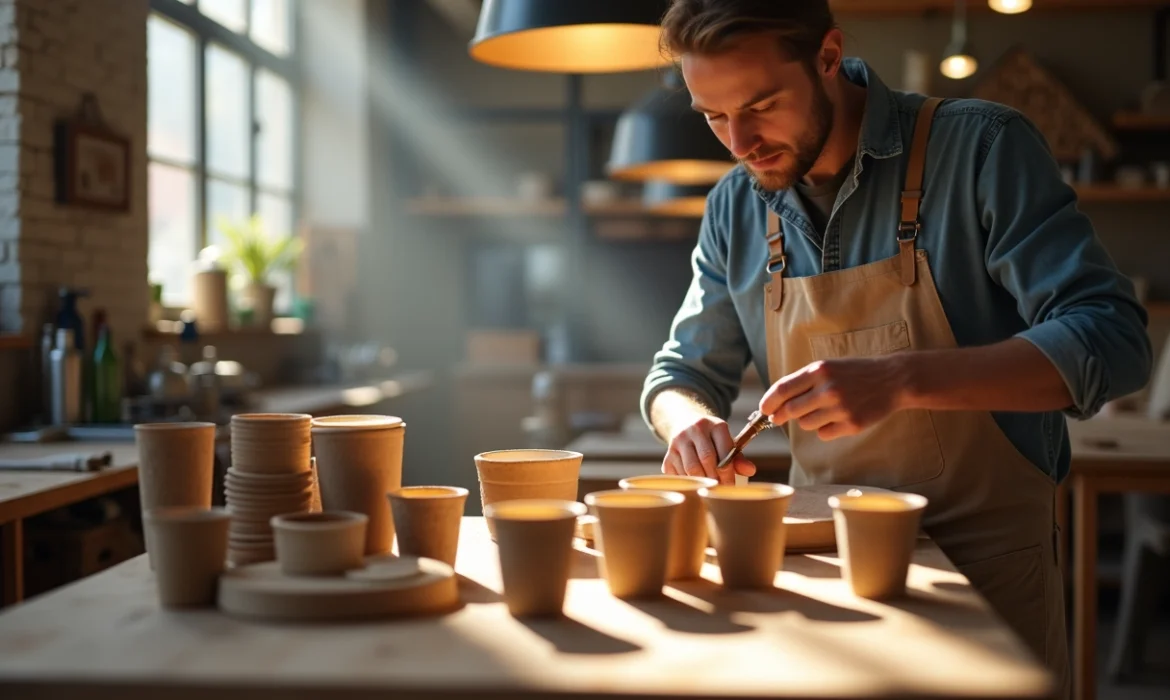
[[661, 138]]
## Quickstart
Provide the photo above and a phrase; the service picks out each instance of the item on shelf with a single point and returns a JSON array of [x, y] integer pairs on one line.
[[205, 384], [169, 378], [597, 192], [106, 377], [1155, 98], [156, 311], [48, 342], [1130, 177], [1087, 167], [211, 299], [1019, 81], [68, 317], [1160, 171], [66, 379], [503, 347], [534, 187]]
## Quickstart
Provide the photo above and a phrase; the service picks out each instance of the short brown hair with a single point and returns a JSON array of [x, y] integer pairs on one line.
[[709, 26]]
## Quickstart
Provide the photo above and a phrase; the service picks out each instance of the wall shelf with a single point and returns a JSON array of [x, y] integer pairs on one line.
[[1139, 121], [15, 342], [1114, 193], [905, 7]]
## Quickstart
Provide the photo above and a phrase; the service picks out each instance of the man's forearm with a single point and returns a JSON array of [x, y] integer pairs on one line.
[[675, 408], [1009, 376]]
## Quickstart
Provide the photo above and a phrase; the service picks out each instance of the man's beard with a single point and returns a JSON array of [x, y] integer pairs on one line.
[[808, 148]]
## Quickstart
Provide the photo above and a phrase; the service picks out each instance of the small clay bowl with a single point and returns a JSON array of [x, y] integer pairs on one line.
[[320, 544]]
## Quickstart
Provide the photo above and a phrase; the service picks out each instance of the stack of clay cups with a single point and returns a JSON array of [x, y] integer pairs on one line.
[[271, 474]]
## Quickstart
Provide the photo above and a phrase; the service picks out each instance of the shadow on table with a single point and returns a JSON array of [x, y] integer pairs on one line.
[[952, 587], [572, 637], [681, 617], [812, 567], [586, 562], [472, 591], [770, 600]]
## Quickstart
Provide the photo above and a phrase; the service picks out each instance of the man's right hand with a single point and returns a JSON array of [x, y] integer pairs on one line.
[[697, 447]]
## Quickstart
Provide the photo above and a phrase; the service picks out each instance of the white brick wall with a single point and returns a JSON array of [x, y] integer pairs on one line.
[[52, 52]]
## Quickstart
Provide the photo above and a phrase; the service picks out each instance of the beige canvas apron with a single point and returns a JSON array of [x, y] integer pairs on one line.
[[990, 510]]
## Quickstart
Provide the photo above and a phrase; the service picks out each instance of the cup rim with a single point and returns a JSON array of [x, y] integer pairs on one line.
[[769, 490], [569, 509], [667, 498], [539, 455], [913, 501], [174, 425], [185, 514], [696, 482], [318, 522], [270, 418], [350, 423], [448, 492]]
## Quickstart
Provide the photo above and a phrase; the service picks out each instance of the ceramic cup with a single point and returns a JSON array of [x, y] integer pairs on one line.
[[633, 535], [535, 540], [271, 443], [508, 475], [427, 519], [876, 534], [359, 461], [746, 524], [190, 553], [688, 540], [176, 463], [319, 544]]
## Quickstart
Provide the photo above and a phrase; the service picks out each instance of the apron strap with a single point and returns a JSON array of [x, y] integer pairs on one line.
[[909, 226], [776, 262]]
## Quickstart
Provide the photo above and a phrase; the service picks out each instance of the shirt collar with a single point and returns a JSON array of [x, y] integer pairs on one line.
[[881, 129]]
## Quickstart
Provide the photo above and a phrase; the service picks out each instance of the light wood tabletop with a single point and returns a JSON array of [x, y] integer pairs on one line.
[[769, 450], [808, 638]]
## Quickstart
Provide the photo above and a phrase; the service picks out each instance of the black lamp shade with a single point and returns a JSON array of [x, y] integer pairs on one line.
[[670, 199], [662, 138], [570, 36]]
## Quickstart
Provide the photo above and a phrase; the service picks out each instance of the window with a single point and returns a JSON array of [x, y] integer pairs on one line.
[[223, 90]]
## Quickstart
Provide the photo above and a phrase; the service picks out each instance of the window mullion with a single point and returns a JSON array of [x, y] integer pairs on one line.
[[201, 146], [253, 141]]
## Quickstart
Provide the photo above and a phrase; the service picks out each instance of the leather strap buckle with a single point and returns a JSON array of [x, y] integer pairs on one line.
[[777, 265], [909, 230]]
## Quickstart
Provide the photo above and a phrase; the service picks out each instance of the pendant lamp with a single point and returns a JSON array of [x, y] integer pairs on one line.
[[1010, 7], [959, 62], [661, 138], [670, 199], [570, 36]]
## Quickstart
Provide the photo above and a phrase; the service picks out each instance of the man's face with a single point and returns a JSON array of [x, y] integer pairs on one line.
[[770, 111]]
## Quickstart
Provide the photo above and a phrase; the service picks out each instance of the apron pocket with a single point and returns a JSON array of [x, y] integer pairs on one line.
[[900, 451], [1013, 584]]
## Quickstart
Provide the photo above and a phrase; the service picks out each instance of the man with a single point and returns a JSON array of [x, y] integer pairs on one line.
[[916, 282]]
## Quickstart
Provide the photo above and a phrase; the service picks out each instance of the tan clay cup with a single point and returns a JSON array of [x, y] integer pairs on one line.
[[876, 534], [746, 524], [176, 463], [633, 535], [535, 540], [688, 540], [508, 475], [319, 544], [427, 519], [271, 443], [359, 461], [190, 553]]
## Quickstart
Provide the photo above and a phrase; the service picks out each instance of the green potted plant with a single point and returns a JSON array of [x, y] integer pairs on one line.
[[254, 253]]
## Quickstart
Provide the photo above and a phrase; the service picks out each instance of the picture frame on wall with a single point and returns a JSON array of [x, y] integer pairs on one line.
[[92, 166]]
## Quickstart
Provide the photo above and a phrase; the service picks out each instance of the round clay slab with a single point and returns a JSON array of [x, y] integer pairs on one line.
[[387, 569], [809, 522], [261, 592]]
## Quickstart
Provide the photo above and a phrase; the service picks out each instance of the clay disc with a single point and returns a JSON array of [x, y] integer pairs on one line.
[[810, 519], [386, 569], [262, 592]]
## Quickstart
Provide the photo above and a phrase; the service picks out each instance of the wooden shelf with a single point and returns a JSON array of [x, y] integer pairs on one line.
[[906, 7], [1158, 309], [1138, 121], [1114, 193], [15, 342]]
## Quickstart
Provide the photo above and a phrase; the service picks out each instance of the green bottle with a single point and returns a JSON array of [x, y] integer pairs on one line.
[[107, 379]]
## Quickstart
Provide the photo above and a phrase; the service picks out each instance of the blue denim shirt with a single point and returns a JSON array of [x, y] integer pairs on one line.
[[1010, 253]]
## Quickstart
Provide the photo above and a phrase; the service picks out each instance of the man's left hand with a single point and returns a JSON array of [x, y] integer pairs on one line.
[[838, 397]]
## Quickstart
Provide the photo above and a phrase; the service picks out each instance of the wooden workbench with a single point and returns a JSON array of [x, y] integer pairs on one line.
[[810, 638], [24, 494], [769, 450]]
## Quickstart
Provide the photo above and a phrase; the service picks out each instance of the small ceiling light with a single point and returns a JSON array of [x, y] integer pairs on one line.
[[661, 138], [1010, 7], [960, 60], [597, 36], [670, 199]]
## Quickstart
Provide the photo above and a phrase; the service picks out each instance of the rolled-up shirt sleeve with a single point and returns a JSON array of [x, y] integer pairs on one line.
[[1082, 311], [707, 350]]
